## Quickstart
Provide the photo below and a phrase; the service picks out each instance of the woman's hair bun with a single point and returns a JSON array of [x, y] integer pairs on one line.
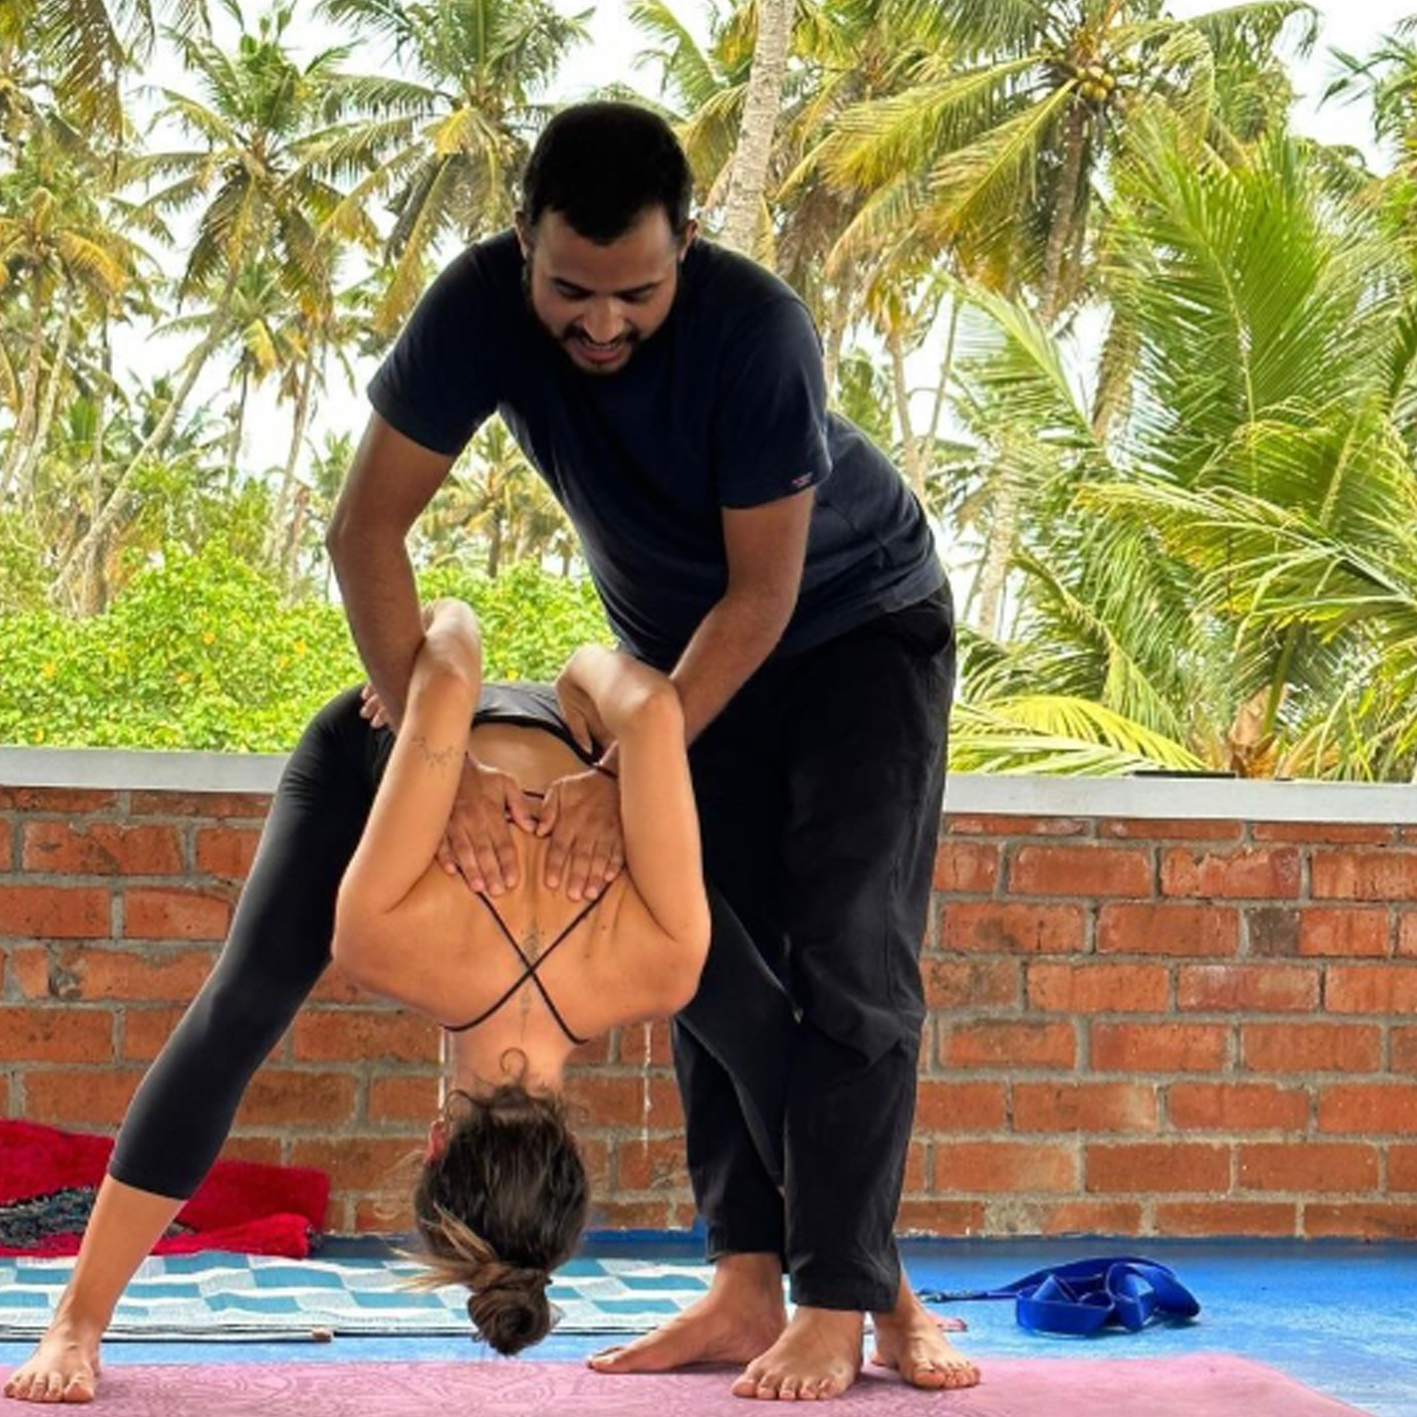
[[510, 1308]]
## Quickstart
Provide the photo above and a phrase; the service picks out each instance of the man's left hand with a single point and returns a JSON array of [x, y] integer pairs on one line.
[[581, 815]]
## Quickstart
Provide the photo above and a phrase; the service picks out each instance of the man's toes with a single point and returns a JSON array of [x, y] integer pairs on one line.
[[791, 1385], [607, 1358], [747, 1383]]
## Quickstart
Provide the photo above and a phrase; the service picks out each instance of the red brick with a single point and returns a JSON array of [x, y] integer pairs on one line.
[[265, 1150], [88, 1096], [6, 850], [101, 849], [218, 805], [1310, 1047], [405, 1097], [1403, 1044], [1322, 833], [347, 1036], [966, 867], [226, 851], [1368, 1109], [939, 1216], [1345, 931], [1087, 1217], [157, 976], [146, 1030], [1364, 875], [55, 912], [70, 801], [1168, 930], [960, 1107], [1010, 825], [609, 1214], [1226, 1217], [1011, 1044], [1253, 873], [334, 988], [383, 1164], [595, 1153], [593, 1053], [1080, 870], [1360, 1220], [1006, 1167], [973, 983], [1168, 1168], [654, 1164], [607, 1100], [1159, 1048], [288, 1098], [1402, 1168], [1168, 829], [1407, 933], [642, 1044], [30, 971], [1084, 1107], [153, 913], [1273, 932], [997, 927], [1236, 1107], [1371, 989], [1247, 988], [917, 1170], [1307, 1166], [56, 1035], [1098, 988], [383, 1215]]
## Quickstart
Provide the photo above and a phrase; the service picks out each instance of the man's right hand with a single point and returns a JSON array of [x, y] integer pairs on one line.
[[479, 836]]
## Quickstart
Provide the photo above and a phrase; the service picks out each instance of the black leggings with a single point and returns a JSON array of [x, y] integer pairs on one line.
[[279, 945]]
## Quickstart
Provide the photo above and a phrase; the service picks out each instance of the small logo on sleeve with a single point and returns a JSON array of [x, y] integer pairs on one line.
[[798, 483]]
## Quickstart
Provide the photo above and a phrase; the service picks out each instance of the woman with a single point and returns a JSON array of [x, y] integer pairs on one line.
[[346, 857]]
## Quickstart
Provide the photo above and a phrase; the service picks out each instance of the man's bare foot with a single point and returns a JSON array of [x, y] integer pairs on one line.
[[911, 1340], [818, 1355], [63, 1368], [741, 1315]]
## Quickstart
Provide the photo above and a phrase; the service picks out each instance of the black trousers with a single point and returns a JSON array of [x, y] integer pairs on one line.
[[279, 945], [820, 789]]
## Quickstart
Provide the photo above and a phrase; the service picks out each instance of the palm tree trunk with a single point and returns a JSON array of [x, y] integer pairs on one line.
[[89, 596], [910, 449], [1060, 233], [494, 547], [29, 393], [947, 366], [152, 445], [748, 179], [238, 428], [998, 548], [838, 325], [278, 530], [51, 395]]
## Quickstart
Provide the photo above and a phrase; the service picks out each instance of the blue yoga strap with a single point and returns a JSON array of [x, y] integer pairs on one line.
[[1086, 1295]]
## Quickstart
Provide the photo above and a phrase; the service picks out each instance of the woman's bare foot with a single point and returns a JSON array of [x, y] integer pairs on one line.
[[63, 1368], [911, 1340], [818, 1355], [742, 1314]]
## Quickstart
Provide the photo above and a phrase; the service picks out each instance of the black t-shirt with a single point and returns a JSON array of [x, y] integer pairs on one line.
[[724, 406]]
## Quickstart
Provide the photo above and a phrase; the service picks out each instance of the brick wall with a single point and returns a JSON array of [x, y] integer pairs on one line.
[[1138, 1026]]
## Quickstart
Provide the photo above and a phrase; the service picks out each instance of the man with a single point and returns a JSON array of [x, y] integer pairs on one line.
[[769, 558]]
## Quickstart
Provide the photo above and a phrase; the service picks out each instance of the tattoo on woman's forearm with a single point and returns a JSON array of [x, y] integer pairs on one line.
[[438, 758]]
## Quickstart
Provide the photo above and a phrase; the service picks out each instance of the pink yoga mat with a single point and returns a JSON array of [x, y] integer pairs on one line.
[[1200, 1385]]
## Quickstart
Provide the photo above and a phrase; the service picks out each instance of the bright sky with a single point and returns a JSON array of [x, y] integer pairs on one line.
[[1352, 25]]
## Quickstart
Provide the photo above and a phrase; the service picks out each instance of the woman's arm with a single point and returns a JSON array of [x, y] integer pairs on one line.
[[639, 708], [410, 812]]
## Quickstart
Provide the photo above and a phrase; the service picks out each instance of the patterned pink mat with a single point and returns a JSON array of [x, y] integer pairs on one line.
[[1200, 1385]]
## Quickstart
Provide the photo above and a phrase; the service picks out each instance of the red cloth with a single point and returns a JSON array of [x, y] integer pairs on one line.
[[242, 1206]]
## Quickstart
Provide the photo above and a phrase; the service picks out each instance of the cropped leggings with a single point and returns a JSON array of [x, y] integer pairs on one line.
[[279, 945]]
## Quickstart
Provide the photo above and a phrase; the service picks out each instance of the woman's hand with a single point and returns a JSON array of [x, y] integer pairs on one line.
[[581, 815], [578, 707], [479, 836], [371, 708]]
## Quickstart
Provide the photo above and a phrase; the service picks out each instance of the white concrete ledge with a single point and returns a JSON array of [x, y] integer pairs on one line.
[[1199, 799]]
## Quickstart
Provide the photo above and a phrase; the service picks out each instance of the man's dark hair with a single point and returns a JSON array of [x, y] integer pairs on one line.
[[601, 165]]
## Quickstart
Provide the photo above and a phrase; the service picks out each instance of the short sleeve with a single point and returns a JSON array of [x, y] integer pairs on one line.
[[770, 416], [438, 383]]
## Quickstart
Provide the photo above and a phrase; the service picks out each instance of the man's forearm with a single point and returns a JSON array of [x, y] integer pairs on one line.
[[731, 643], [381, 603]]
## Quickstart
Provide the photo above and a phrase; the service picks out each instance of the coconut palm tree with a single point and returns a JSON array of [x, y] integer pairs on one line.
[[446, 139]]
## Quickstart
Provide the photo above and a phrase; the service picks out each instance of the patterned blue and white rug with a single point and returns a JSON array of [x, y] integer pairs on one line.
[[244, 1297]]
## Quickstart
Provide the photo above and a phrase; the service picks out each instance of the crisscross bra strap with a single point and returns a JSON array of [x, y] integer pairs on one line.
[[530, 970]]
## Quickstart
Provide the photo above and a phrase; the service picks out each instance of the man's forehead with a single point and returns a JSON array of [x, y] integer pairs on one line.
[[644, 255]]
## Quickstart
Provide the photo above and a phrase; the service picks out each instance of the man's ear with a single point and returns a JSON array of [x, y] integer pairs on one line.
[[523, 234], [691, 230]]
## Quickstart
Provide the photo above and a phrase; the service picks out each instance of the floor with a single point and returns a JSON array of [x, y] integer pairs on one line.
[[1338, 1316]]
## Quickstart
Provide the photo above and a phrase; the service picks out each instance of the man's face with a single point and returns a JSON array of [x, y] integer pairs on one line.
[[600, 302]]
